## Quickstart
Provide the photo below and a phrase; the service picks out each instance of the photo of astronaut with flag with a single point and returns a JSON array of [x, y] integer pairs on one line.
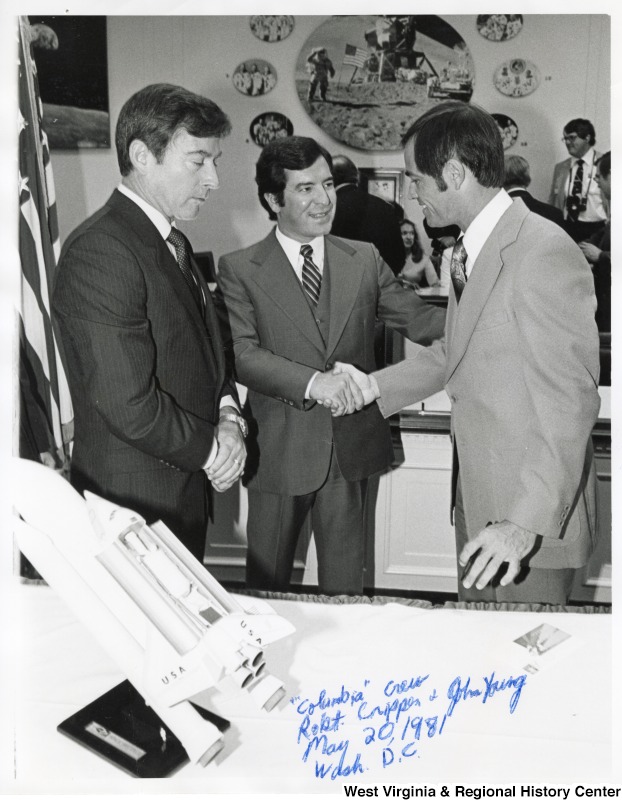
[[363, 79]]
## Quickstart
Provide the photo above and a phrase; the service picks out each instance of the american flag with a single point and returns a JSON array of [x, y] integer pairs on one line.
[[355, 56], [45, 423]]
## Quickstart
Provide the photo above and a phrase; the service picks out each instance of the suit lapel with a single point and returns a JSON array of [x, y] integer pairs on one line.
[[279, 281], [463, 317], [345, 280], [156, 253], [564, 184], [210, 325]]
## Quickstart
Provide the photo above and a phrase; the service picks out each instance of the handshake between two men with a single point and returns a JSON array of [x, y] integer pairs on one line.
[[344, 389]]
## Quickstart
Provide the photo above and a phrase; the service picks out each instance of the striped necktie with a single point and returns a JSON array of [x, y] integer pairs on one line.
[[311, 276], [458, 268]]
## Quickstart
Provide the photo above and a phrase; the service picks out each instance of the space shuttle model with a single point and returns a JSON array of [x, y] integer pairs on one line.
[[172, 629]]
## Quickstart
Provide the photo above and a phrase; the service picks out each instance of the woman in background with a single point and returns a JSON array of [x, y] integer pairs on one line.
[[418, 271]]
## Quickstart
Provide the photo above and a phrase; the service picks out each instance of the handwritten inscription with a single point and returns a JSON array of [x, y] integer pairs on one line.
[[342, 732]]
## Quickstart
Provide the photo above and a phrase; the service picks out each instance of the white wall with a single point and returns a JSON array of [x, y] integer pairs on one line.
[[572, 52]]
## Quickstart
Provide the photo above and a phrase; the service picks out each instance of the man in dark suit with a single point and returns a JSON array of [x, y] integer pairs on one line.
[[364, 217], [597, 249], [298, 301], [517, 179], [155, 407]]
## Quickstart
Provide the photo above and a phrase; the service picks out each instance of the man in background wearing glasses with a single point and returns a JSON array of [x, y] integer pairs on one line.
[[574, 189]]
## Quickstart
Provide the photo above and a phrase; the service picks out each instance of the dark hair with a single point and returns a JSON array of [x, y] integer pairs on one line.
[[582, 127], [344, 170], [604, 164], [454, 129], [439, 233], [516, 172], [291, 152], [417, 250], [154, 114]]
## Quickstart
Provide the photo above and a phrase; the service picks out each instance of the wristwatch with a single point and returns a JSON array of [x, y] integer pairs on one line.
[[239, 421]]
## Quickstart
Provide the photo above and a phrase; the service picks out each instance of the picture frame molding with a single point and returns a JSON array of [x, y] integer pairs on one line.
[[393, 175]]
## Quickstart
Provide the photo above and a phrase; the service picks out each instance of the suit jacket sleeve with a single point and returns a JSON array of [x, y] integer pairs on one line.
[[403, 310], [559, 339], [256, 367], [100, 307], [560, 177], [412, 380]]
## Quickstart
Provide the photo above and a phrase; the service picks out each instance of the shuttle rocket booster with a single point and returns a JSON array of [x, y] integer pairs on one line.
[[167, 623]]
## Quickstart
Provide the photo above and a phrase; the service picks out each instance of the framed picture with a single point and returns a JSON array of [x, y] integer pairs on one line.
[[499, 27], [516, 77], [254, 77], [269, 126], [365, 79], [72, 68], [385, 183], [507, 128], [271, 27]]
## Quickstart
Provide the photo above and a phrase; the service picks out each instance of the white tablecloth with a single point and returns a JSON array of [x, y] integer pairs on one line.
[[361, 657]]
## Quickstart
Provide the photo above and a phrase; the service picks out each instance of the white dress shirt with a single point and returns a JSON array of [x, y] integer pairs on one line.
[[595, 210], [291, 249], [479, 230]]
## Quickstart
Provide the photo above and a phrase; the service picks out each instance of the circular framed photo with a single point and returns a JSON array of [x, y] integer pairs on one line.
[[517, 77], [499, 27], [365, 79], [508, 130], [269, 126], [271, 27], [254, 77]]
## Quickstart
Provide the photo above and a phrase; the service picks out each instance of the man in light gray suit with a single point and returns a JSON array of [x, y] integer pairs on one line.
[[519, 362], [297, 302]]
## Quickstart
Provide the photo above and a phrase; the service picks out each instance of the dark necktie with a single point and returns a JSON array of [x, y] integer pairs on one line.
[[182, 251], [458, 268], [573, 203], [311, 276]]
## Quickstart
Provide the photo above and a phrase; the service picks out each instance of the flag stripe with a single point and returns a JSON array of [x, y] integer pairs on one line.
[[44, 413], [45, 402]]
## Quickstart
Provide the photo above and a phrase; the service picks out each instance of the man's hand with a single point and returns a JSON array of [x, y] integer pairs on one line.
[[339, 393], [590, 251], [366, 383], [230, 458], [497, 544]]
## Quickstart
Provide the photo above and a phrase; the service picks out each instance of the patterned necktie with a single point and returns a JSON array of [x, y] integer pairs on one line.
[[457, 269], [182, 251], [311, 276], [573, 203]]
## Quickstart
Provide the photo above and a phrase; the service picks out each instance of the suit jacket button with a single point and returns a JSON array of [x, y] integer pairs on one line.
[[330, 365]]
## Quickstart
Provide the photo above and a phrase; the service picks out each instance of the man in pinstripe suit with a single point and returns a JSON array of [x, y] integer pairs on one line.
[[156, 410]]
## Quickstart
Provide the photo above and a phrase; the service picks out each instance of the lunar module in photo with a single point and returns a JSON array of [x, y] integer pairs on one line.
[[393, 56]]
